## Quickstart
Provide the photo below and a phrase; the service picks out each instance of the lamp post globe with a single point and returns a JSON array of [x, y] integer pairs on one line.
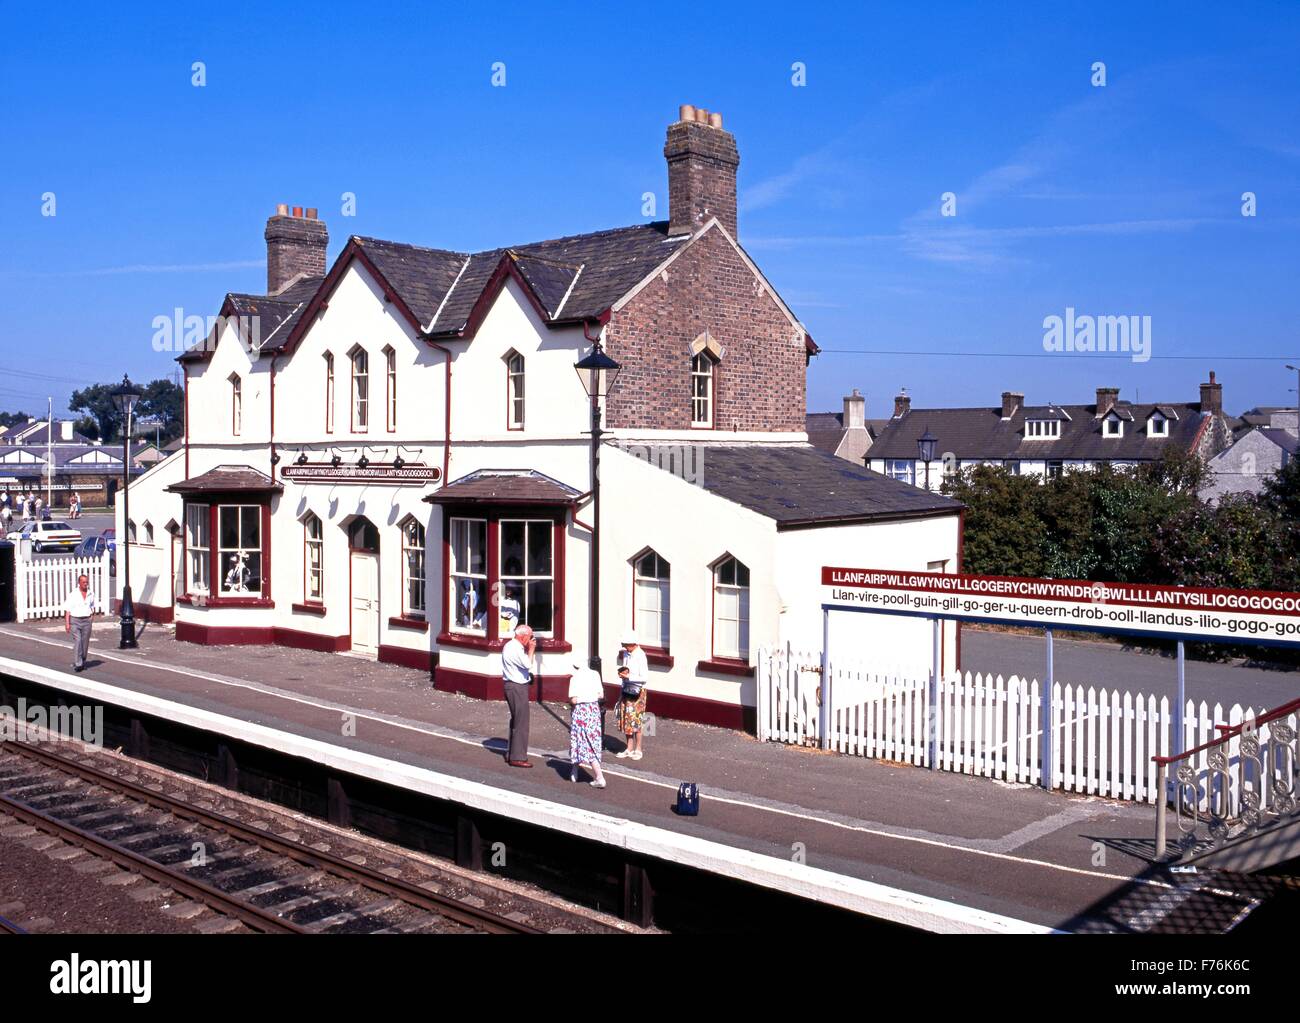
[[925, 446], [597, 372], [125, 397]]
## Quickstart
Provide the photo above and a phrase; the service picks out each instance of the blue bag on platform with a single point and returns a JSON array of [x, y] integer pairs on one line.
[[688, 799]]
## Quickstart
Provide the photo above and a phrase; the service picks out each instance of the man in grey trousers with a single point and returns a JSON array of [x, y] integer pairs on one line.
[[78, 612], [517, 679]]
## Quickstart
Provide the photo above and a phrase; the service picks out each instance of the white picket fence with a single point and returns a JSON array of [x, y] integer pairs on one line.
[[1102, 740], [43, 584]]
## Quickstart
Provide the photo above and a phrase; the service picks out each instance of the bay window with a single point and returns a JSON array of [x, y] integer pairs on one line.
[[198, 549], [526, 572], [468, 574], [239, 548]]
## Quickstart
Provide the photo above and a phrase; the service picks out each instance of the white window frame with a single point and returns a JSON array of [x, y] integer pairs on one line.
[[521, 582], [359, 359], [198, 522], [1043, 429], [1112, 426], [515, 391], [1158, 421], [901, 469], [414, 561], [224, 551], [703, 380], [739, 622], [236, 404], [329, 392], [651, 600], [459, 569], [390, 388], [313, 559]]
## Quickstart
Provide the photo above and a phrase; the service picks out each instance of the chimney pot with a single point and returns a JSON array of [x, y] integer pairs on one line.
[[686, 112], [715, 120], [311, 212], [297, 211], [281, 210]]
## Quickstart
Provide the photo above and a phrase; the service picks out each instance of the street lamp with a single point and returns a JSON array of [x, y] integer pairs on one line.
[[125, 397], [597, 371], [925, 448]]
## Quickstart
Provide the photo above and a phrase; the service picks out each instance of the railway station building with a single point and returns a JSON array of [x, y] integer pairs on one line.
[[388, 456]]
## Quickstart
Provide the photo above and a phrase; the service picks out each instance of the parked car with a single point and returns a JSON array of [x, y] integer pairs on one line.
[[46, 536], [94, 547]]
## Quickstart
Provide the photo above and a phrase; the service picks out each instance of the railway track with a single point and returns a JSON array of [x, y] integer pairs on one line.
[[264, 881]]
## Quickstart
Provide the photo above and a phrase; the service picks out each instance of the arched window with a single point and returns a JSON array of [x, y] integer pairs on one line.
[[390, 388], [360, 390], [313, 559], [650, 600], [148, 531], [413, 547], [702, 367], [730, 610], [329, 392], [236, 404], [514, 391]]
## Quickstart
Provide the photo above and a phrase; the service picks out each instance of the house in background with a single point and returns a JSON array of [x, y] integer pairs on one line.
[[1263, 447], [1047, 440], [848, 434], [80, 465]]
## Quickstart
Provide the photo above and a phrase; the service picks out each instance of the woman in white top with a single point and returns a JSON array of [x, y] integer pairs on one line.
[[633, 669], [586, 733]]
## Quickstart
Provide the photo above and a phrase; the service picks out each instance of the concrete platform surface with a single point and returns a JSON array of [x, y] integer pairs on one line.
[[1046, 858]]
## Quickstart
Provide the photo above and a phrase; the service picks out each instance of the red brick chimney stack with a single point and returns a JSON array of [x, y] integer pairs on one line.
[[1106, 399], [1011, 401], [702, 161], [902, 404], [1212, 396], [295, 243]]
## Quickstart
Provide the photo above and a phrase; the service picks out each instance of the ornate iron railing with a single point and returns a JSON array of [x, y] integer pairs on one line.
[[1232, 786]]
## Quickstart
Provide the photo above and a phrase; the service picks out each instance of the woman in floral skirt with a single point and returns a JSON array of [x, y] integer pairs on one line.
[[586, 729]]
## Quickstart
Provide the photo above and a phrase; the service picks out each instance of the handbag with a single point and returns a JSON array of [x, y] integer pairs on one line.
[[688, 799]]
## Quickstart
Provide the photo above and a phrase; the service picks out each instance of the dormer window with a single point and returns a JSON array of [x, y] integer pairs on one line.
[[1042, 429], [1113, 427], [1157, 426]]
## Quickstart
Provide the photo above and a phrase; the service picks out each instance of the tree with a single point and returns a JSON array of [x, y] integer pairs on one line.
[[96, 401], [159, 398], [12, 419], [164, 401], [1004, 529]]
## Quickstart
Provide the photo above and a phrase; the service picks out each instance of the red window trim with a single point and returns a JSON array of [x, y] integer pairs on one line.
[[307, 600], [352, 404], [407, 613], [407, 621], [309, 607], [213, 597], [658, 657], [726, 666], [714, 658], [493, 514]]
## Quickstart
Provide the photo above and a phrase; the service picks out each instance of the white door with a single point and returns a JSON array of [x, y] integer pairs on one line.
[[365, 604]]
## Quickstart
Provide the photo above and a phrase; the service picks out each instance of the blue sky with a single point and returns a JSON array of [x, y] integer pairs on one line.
[[1115, 200]]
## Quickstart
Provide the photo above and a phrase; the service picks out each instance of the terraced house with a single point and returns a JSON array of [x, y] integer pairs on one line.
[[387, 455]]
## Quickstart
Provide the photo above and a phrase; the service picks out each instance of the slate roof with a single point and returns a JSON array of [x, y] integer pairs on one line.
[[227, 478], [981, 433], [1288, 442], [574, 278], [63, 454], [802, 486], [276, 315], [504, 486]]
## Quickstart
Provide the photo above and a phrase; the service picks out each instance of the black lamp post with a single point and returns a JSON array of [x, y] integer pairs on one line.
[[597, 371], [125, 397], [925, 448]]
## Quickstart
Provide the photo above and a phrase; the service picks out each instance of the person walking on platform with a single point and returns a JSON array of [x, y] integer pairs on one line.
[[633, 669], [517, 679], [78, 612], [586, 733]]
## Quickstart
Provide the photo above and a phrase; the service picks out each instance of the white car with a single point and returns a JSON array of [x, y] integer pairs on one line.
[[47, 536]]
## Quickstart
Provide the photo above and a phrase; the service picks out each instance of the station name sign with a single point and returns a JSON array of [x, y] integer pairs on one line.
[[1178, 611], [410, 474]]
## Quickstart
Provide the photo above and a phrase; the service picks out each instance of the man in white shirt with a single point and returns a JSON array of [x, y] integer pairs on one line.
[[517, 678], [78, 611]]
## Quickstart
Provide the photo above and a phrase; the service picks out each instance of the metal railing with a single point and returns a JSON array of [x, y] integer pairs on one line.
[[1235, 784]]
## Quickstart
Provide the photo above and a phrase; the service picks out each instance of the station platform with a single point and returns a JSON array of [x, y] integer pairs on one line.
[[1031, 859]]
